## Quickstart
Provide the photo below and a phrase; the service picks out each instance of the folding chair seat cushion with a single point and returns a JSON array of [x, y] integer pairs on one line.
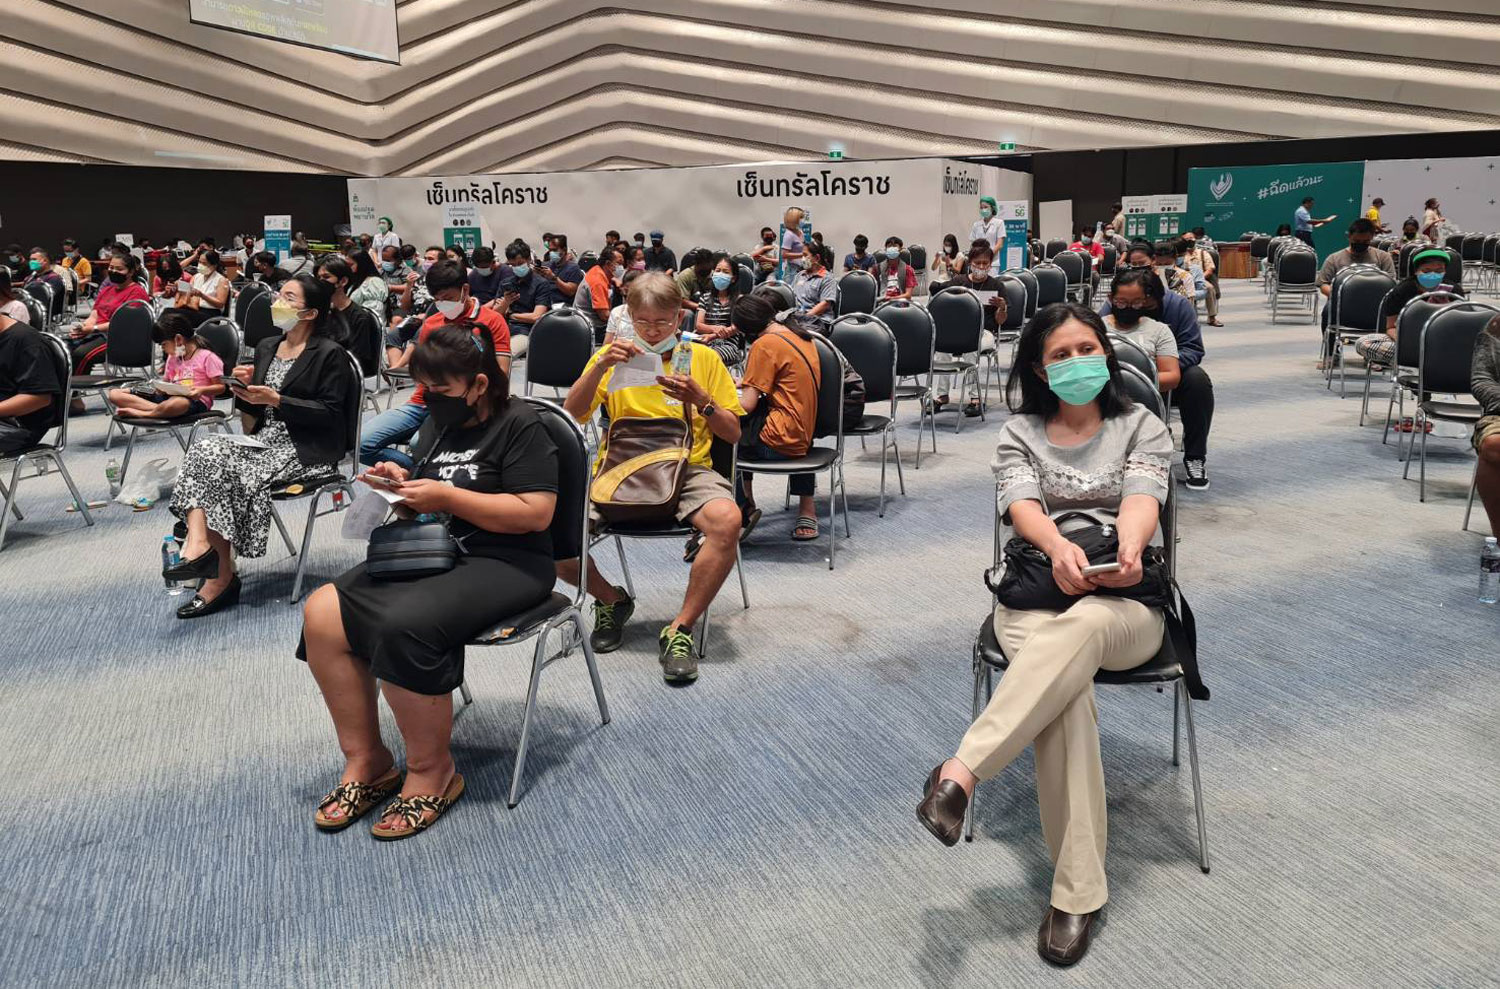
[[905, 392], [870, 425], [816, 459], [83, 382], [186, 419], [519, 626], [1161, 668], [1452, 411], [307, 483]]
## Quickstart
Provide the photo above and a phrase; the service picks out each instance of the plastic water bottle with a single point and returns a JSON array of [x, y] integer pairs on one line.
[[170, 558], [1489, 572], [682, 360], [112, 475]]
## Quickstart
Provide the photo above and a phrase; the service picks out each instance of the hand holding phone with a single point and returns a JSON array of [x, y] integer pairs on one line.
[[1089, 571], [380, 481]]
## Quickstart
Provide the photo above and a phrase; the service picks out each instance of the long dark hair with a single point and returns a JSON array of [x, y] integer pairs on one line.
[[950, 245], [462, 351], [364, 268], [318, 295], [5, 291], [168, 267], [1026, 392]]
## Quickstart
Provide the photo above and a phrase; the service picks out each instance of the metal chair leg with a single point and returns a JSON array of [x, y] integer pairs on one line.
[[82, 502], [981, 673], [538, 660], [896, 452], [740, 570], [463, 691], [10, 500], [624, 566], [885, 449], [1422, 481], [844, 497], [307, 531], [1192, 739], [125, 464], [588, 658], [291, 550], [833, 503], [1176, 711], [1473, 487]]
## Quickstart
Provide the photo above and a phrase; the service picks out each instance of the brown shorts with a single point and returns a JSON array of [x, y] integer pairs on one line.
[[701, 486], [1485, 428]]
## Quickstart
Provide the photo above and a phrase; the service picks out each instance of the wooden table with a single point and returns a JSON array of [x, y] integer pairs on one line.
[[1235, 260]]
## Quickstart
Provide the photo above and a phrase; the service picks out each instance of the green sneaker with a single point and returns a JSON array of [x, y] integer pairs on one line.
[[609, 622], [679, 662]]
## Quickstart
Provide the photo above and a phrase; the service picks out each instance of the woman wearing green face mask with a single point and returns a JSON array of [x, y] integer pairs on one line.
[[1074, 442], [989, 227]]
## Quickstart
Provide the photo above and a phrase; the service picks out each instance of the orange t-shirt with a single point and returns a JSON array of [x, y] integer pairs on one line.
[[776, 368], [598, 282]]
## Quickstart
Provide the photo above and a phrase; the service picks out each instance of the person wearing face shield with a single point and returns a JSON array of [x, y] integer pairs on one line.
[[448, 284], [300, 398]]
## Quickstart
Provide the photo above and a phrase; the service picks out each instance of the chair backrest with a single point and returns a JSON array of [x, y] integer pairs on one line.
[[958, 318], [1356, 297], [1454, 242], [780, 295], [1473, 247], [1410, 322], [1017, 297], [42, 293], [570, 518], [561, 343], [1259, 246], [1074, 265], [915, 335], [62, 364], [35, 309], [587, 260], [1051, 284], [743, 260], [870, 348], [1129, 353], [1055, 247], [1403, 258], [1142, 389], [1213, 255], [222, 338], [857, 292], [1491, 249], [257, 325], [918, 258], [1447, 353], [1296, 268], [1027, 277], [745, 279], [1111, 260], [242, 301], [1455, 276], [831, 367], [129, 343]]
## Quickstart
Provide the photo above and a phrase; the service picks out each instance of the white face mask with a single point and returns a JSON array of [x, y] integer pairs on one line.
[[450, 310], [284, 315]]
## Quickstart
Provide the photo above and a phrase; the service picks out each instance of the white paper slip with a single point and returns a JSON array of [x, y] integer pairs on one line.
[[985, 298], [391, 497], [239, 439], [641, 369], [172, 388]]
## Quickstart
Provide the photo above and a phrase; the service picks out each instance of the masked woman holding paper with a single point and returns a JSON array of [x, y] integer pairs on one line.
[[489, 468], [299, 397], [1074, 443]]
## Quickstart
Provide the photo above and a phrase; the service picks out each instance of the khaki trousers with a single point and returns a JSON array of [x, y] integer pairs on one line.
[[1046, 698]]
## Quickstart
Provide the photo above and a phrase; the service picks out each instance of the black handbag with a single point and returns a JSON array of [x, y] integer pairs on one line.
[[406, 549], [1026, 582]]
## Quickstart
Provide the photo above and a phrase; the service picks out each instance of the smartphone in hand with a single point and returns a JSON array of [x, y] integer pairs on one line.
[[1101, 568], [380, 480]]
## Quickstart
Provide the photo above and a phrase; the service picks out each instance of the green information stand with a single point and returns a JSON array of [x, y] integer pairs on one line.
[[1228, 202]]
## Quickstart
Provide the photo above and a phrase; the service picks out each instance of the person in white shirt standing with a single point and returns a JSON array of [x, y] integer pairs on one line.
[[989, 227], [387, 237]]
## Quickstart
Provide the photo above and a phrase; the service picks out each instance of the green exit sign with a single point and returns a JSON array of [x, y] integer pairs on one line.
[[1007, 145], [835, 155]]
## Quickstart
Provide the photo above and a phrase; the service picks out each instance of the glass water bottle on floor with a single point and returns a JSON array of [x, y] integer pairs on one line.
[[1489, 572]]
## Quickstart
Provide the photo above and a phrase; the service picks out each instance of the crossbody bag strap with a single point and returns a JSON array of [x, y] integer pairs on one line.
[[817, 378]]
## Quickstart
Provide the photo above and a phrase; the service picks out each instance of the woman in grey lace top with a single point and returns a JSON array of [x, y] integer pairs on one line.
[[1077, 441]]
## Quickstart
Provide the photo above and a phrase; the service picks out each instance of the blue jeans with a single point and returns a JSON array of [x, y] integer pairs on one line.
[[396, 425], [800, 485]]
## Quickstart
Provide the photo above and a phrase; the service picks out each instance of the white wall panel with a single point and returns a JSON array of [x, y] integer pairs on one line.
[[1468, 189]]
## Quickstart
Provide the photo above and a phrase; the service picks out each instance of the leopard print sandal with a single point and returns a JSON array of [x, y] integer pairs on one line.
[[413, 812], [355, 799]]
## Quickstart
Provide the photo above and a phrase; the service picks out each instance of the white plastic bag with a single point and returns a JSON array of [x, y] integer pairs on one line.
[[148, 485]]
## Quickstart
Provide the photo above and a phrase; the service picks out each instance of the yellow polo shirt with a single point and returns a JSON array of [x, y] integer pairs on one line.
[[1374, 215], [650, 402]]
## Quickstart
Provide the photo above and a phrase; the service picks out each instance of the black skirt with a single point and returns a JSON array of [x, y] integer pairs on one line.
[[412, 632]]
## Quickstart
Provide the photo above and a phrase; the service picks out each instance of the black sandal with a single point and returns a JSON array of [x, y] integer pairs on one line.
[[748, 522]]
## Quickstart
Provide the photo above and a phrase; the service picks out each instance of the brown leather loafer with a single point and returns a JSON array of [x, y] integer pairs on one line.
[[1064, 937], [942, 808]]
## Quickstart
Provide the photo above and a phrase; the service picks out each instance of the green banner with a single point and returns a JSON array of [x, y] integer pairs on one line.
[[1228, 202]]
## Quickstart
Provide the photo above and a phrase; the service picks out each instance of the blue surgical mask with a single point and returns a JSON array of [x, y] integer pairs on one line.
[[1429, 279], [893, 252], [520, 270], [554, 256], [985, 212], [661, 346], [388, 265], [1078, 380], [722, 280]]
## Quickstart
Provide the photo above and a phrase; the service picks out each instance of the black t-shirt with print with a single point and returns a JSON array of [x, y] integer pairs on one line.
[[27, 367], [509, 454]]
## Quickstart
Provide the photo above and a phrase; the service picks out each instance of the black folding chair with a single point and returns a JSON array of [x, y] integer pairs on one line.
[[857, 293], [42, 453], [559, 613], [915, 336], [869, 346], [1445, 366]]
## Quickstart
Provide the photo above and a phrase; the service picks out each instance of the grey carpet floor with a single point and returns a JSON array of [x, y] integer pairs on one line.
[[757, 828]]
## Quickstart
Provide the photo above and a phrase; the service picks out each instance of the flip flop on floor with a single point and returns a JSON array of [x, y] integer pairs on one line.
[[805, 524], [413, 812], [691, 547], [355, 799], [748, 522]]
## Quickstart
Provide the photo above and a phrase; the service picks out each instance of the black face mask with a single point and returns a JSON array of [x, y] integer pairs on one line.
[[118, 277], [447, 411], [1358, 248], [769, 238], [1126, 315]]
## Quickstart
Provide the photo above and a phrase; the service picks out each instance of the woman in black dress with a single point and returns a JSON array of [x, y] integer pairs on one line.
[[492, 472]]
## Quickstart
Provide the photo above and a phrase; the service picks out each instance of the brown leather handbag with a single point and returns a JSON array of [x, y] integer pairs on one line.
[[645, 465]]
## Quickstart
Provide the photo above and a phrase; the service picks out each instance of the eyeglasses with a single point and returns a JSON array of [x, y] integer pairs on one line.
[[654, 324]]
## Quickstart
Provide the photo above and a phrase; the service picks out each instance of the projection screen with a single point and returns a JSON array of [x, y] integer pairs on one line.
[[366, 28]]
